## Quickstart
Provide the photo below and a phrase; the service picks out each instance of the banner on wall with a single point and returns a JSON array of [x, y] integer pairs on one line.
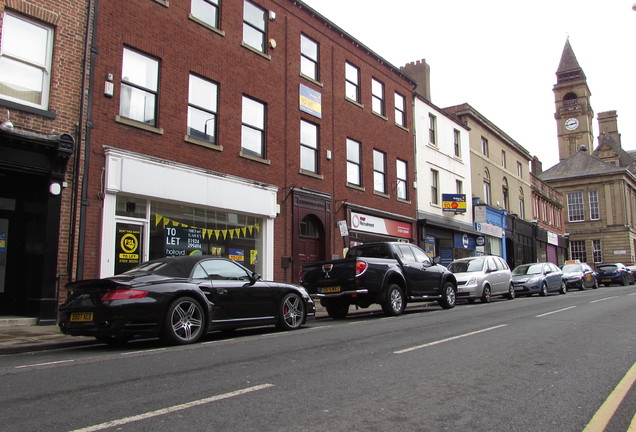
[[454, 203], [377, 225], [127, 247]]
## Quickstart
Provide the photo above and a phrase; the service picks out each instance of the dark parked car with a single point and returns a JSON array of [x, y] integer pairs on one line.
[[540, 278], [614, 273], [579, 275], [180, 299]]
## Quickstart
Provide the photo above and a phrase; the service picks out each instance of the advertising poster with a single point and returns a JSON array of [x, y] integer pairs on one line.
[[127, 247], [183, 241], [237, 255]]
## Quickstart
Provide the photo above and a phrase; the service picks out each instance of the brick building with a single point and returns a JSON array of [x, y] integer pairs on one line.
[[258, 131], [42, 80]]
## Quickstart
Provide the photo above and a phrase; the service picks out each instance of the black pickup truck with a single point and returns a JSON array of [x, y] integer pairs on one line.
[[388, 273]]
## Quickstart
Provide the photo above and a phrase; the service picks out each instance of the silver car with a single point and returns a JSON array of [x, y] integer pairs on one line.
[[482, 277]]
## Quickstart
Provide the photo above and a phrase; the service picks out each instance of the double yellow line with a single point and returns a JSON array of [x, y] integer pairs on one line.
[[605, 413]]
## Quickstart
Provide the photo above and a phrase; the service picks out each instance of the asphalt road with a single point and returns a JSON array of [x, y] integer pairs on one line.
[[531, 364]]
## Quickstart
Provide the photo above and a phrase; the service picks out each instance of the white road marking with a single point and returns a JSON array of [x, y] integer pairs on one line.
[[448, 339], [44, 364], [171, 409], [143, 351], [603, 299], [556, 311]]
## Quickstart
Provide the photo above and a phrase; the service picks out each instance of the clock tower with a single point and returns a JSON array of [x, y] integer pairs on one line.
[[574, 115]]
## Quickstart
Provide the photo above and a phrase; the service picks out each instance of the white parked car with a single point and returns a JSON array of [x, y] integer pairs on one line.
[[482, 277]]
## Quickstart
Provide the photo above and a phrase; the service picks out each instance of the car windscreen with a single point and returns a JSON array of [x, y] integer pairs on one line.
[[528, 269], [571, 268], [469, 266], [607, 267]]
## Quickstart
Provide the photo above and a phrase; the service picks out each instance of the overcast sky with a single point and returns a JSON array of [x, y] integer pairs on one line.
[[500, 56]]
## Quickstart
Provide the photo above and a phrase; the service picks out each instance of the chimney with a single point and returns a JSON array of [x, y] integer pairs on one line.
[[536, 166], [608, 124], [420, 72]]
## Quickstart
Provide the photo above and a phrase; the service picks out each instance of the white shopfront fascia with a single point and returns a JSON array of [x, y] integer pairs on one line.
[[159, 179]]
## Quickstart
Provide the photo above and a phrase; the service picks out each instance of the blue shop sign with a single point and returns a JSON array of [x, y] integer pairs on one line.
[[465, 241]]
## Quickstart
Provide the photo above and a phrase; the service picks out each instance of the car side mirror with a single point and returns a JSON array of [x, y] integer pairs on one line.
[[255, 277], [437, 260]]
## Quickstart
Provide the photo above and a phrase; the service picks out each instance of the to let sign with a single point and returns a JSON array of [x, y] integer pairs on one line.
[[454, 203]]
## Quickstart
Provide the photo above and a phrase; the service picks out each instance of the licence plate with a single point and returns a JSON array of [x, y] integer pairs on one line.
[[606, 280], [331, 289], [81, 317]]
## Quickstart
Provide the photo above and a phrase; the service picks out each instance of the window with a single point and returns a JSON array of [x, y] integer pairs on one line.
[[503, 158], [377, 95], [139, 87], [577, 250], [379, 171], [459, 186], [25, 61], [594, 213], [522, 205], [519, 170], [435, 187], [596, 251], [310, 227], [432, 127], [402, 179], [308, 57], [254, 26], [457, 145], [308, 146], [352, 82], [486, 187], [400, 110], [505, 194], [354, 169], [575, 207], [206, 11], [253, 130], [484, 147], [202, 106]]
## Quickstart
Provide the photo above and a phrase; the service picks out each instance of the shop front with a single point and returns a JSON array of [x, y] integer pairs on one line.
[[490, 223], [520, 238], [445, 237], [365, 225], [32, 173], [154, 209]]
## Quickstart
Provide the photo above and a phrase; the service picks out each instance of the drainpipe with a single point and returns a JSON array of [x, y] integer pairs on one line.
[[89, 125]]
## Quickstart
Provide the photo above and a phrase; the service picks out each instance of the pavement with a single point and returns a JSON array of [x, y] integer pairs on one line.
[[20, 334]]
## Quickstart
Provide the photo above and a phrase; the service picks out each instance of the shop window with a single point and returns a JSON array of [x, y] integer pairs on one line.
[[25, 61], [177, 230]]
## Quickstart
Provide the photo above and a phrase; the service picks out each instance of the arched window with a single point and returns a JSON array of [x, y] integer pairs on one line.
[[486, 187], [570, 99], [310, 227], [505, 194], [522, 204]]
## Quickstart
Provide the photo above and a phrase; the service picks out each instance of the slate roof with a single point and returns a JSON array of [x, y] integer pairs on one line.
[[569, 64], [580, 164], [607, 142]]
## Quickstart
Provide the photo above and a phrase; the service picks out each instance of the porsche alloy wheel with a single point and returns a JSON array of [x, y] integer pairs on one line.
[[291, 312], [184, 322]]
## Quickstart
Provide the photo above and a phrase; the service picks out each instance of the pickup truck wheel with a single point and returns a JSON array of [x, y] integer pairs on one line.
[[337, 309], [394, 304], [486, 295], [449, 296]]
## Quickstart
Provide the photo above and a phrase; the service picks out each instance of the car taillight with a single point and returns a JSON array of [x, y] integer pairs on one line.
[[127, 294], [361, 267], [300, 275]]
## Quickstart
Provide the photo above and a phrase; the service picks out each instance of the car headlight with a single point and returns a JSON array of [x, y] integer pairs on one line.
[[473, 281], [533, 280]]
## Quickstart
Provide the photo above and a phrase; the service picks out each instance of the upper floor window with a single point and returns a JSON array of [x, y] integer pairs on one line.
[[459, 186], [379, 171], [308, 146], [434, 187], [522, 204], [354, 168], [206, 11], [594, 212], [575, 207], [254, 26], [487, 195], [25, 61], [484, 147], [377, 95], [505, 194], [402, 179], [519, 169], [577, 250], [432, 129], [503, 158], [139, 87], [352, 82], [253, 129], [309, 57], [202, 106], [457, 143], [400, 110]]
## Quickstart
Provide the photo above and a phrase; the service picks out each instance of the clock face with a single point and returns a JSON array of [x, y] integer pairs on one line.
[[571, 124]]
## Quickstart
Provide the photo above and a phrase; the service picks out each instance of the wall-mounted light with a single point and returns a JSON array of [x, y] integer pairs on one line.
[[272, 15], [272, 43], [55, 188]]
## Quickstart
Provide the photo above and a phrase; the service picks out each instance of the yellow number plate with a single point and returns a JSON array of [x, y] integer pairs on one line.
[[331, 289], [81, 316]]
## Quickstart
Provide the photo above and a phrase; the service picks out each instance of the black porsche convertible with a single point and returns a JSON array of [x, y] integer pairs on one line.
[[179, 300]]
